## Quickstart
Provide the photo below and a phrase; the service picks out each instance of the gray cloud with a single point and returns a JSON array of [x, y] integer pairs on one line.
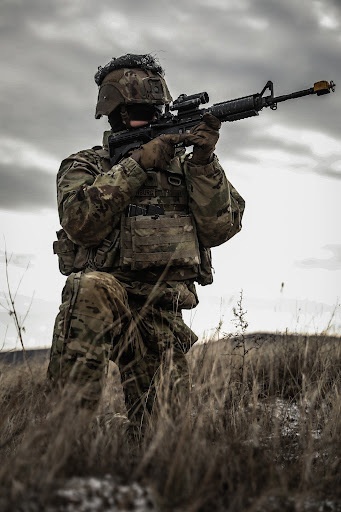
[[26, 189], [50, 51], [302, 152], [331, 263], [18, 260]]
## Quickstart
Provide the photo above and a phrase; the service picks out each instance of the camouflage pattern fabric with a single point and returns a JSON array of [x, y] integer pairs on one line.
[[90, 201], [131, 86], [128, 79], [132, 317], [97, 322]]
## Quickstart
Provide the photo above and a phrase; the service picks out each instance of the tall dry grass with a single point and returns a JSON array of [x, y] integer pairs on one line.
[[260, 432]]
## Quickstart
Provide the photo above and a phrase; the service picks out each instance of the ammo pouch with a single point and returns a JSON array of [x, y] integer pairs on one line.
[[71, 257], [205, 275], [103, 257], [159, 241]]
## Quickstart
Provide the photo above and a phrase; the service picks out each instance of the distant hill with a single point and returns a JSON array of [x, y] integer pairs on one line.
[[42, 354], [18, 356]]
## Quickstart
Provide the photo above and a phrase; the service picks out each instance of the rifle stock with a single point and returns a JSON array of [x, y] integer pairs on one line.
[[189, 115]]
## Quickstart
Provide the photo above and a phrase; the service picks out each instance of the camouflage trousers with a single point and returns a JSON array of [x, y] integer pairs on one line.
[[97, 322]]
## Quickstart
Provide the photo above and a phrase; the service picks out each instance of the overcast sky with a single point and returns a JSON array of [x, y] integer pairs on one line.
[[285, 163]]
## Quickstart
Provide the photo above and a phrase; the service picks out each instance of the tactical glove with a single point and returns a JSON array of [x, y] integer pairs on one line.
[[158, 153], [204, 138]]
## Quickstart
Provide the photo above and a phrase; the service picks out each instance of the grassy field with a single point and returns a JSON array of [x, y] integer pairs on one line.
[[261, 432]]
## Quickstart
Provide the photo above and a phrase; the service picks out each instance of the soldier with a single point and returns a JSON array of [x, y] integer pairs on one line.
[[135, 239]]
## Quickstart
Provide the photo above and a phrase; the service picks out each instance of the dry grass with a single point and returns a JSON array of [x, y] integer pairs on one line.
[[261, 432]]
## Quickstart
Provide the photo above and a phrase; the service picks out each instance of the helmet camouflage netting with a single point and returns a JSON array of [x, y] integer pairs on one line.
[[146, 62]]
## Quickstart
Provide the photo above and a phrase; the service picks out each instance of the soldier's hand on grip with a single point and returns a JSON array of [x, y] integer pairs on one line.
[[204, 138], [158, 153]]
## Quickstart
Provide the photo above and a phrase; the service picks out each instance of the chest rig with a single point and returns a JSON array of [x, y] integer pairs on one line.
[[156, 235], [157, 229]]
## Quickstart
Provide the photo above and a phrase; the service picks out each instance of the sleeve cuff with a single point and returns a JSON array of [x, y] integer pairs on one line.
[[203, 170], [130, 167]]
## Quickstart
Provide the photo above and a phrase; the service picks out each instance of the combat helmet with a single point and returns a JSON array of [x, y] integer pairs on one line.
[[130, 80]]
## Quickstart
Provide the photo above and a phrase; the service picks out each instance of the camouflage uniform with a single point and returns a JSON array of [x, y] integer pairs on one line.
[[131, 275]]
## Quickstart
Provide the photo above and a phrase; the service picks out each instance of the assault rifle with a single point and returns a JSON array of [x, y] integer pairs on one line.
[[189, 115]]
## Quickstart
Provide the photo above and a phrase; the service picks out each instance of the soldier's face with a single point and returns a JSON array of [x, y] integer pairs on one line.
[[139, 115], [137, 124]]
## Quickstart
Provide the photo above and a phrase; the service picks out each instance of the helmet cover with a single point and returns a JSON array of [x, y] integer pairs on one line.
[[130, 79]]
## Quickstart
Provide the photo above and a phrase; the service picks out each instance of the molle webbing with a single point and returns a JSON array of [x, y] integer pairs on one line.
[[152, 192], [168, 188], [157, 275], [162, 241]]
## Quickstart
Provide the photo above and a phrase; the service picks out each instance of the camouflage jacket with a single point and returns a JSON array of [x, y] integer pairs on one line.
[[93, 200]]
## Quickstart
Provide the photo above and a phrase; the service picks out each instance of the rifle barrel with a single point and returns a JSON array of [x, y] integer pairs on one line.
[[290, 96], [319, 88]]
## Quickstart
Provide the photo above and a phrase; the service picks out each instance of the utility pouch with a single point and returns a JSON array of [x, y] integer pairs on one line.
[[106, 253], [66, 252], [71, 257], [205, 275], [159, 241]]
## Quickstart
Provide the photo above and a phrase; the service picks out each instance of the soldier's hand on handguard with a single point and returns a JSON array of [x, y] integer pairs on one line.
[[204, 138], [158, 153]]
